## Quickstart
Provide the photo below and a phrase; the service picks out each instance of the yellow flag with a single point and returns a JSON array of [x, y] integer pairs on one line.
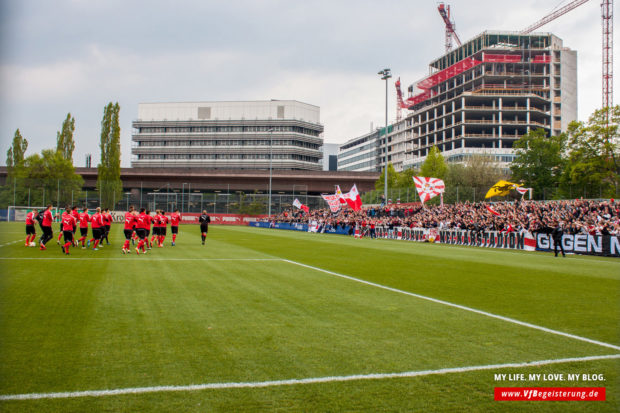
[[502, 188]]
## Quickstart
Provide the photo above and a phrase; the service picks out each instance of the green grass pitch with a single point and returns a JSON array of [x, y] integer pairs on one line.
[[254, 309]]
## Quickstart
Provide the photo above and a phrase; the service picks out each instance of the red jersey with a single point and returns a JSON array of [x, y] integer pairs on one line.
[[163, 221], [84, 220], [130, 220], [96, 221], [156, 221], [174, 219], [68, 221], [107, 218], [30, 218], [47, 218], [75, 215], [143, 221]]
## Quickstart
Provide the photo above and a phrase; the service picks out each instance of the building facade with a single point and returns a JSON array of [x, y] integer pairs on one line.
[[259, 135], [485, 95], [330, 156], [362, 153]]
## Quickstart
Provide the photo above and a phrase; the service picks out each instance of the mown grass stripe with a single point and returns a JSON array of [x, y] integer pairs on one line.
[[461, 307]]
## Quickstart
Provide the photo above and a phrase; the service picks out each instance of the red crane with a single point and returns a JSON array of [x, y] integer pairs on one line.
[[444, 11]]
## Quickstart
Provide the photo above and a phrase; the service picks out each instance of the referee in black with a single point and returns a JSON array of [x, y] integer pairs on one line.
[[204, 225]]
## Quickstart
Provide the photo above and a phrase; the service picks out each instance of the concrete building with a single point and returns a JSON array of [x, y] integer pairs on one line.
[[361, 154], [330, 156], [285, 134], [483, 96]]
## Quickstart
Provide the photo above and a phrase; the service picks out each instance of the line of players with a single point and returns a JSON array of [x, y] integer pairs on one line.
[[137, 225]]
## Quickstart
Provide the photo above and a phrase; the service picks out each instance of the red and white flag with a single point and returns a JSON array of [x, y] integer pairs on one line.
[[353, 199], [340, 195], [301, 206], [428, 188], [492, 211], [522, 190], [333, 201]]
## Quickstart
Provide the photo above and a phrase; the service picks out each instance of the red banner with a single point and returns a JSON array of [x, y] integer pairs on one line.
[[224, 219]]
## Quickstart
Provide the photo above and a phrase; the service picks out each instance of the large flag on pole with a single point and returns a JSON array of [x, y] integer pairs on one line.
[[502, 188], [301, 206], [428, 188], [353, 199]]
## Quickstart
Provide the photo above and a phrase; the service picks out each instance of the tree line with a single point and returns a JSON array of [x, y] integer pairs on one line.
[[581, 162], [50, 177]]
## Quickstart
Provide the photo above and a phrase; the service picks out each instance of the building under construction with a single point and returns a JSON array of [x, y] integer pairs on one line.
[[483, 96]]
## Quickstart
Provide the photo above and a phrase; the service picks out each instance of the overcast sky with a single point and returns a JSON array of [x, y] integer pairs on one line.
[[77, 55]]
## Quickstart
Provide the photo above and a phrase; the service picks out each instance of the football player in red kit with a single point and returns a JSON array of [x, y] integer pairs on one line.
[[68, 224], [142, 224], [46, 226], [31, 232], [175, 218], [130, 222], [163, 222], [96, 223], [84, 220]]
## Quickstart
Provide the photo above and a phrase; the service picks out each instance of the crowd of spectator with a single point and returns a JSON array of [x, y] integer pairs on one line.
[[575, 216]]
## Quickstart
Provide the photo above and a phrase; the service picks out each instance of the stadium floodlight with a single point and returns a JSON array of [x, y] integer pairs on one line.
[[385, 75]]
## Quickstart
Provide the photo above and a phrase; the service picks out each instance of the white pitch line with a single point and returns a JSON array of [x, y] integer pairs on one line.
[[151, 259], [461, 307], [292, 382], [10, 243]]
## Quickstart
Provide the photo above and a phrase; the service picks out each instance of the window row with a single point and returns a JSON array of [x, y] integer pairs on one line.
[[216, 129], [227, 156], [230, 142]]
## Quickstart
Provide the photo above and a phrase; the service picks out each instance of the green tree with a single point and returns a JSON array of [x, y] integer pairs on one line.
[[42, 179], [470, 181], [538, 162], [591, 169], [64, 139], [15, 154], [404, 179], [109, 181], [434, 166]]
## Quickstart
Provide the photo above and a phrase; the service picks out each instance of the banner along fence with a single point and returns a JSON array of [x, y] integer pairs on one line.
[[601, 245]]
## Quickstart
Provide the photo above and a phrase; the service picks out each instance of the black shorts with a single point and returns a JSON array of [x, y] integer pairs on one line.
[[128, 233], [30, 230], [141, 233], [96, 233], [68, 236], [162, 230], [174, 230], [84, 231], [107, 228], [204, 227], [147, 232], [47, 231], [155, 230]]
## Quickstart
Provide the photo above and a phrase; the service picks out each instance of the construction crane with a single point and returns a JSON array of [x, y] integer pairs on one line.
[[608, 32], [444, 11], [607, 22]]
